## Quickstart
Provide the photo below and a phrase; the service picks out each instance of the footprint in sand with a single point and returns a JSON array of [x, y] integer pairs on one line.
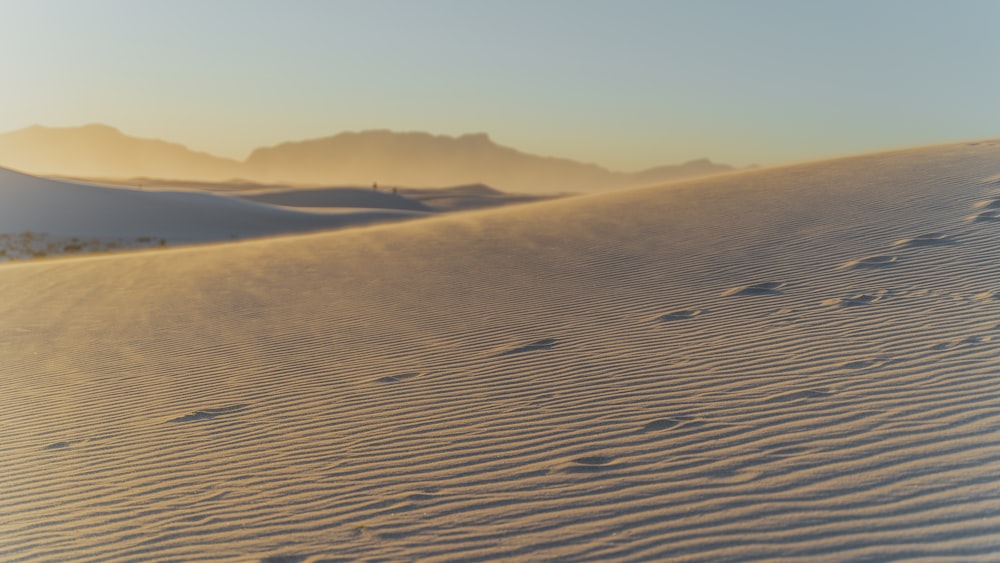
[[871, 262], [975, 339], [398, 378], [869, 363], [987, 296], [986, 216], [989, 203], [681, 315], [856, 300], [543, 344], [594, 460], [69, 443], [764, 288], [661, 424], [285, 559], [57, 446], [592, 464], [967, 341], [209, 414], [930, 239]]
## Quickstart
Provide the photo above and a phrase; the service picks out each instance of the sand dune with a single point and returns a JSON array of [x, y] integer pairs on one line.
[[778, 365], [471, 196], [72, 210], [336, 197], [456, 198]]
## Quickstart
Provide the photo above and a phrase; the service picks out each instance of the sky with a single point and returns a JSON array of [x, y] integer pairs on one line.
[[627, 84]]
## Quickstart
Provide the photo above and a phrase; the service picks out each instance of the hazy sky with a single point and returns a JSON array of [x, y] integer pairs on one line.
[[626, 84]]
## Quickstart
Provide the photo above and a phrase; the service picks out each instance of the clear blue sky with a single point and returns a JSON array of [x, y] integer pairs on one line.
[[626, 84]]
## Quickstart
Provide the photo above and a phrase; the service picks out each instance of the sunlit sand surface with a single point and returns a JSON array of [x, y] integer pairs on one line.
[[789, 364]]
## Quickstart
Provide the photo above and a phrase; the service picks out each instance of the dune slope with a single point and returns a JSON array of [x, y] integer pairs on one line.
[[787, 364], [335, 197], [81, 210]]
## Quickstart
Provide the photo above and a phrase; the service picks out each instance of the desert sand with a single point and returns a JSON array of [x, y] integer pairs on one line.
[[786, 364], [60, 214]]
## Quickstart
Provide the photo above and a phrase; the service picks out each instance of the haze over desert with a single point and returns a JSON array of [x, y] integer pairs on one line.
[[451, 281]]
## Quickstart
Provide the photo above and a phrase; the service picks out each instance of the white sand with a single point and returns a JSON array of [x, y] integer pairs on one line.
[[772, 365], [68, 209], [334, 197]]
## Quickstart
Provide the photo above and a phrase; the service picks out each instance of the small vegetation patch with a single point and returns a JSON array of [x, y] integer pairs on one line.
[[28, 245]]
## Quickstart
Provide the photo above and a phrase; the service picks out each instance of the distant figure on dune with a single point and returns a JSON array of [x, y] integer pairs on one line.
[[375, 186]]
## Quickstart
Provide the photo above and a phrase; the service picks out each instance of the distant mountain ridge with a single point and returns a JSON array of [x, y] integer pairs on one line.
[[413, 159], [99, 150]]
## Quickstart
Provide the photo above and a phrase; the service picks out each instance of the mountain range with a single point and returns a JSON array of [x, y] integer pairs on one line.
[[413, 159]]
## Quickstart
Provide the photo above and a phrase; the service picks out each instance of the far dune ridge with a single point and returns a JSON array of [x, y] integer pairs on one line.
[[45, 217], [413, 159], [788, 364]]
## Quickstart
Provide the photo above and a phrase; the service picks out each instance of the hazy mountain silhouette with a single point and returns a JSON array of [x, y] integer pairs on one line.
[[421, 159], [100, 151], [389, 158]]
